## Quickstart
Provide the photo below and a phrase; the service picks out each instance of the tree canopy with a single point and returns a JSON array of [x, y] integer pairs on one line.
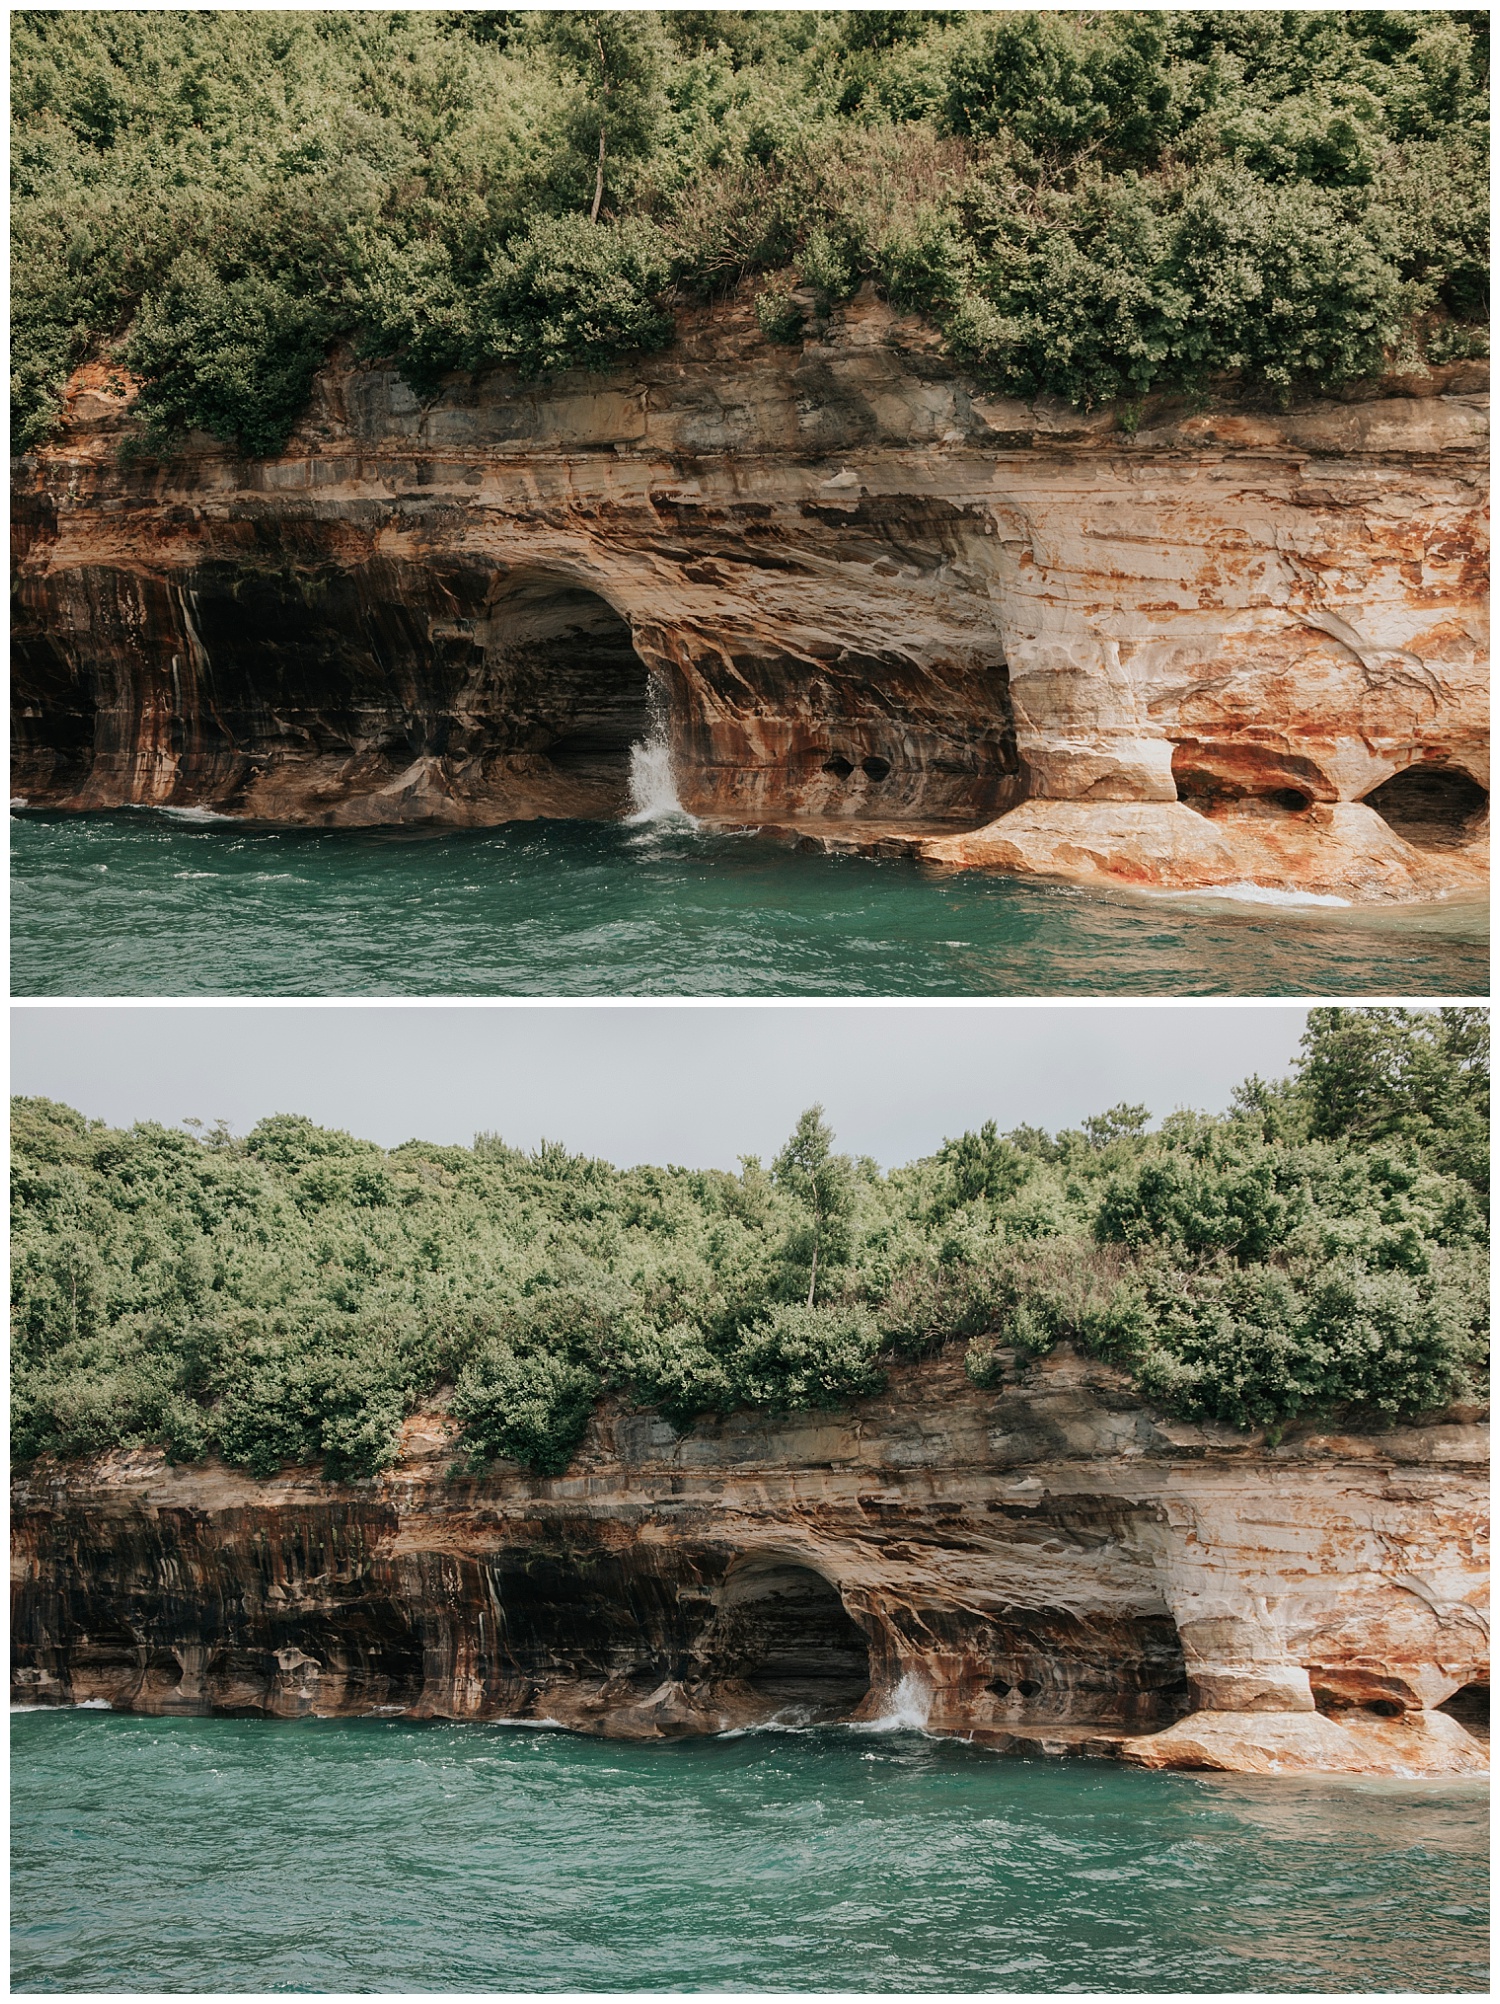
[[290, 1296], [1089, 203]]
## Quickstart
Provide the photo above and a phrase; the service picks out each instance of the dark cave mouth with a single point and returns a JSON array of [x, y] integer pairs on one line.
[[361, 677], [1470, 1706], [787, 1635], [1432, 806], [598, 691]]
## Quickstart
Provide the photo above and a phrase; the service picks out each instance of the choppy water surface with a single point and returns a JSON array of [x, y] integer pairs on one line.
[[237, 1854], [149, 904]]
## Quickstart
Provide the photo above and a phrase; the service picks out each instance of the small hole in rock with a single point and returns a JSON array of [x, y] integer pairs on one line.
[[876, 768], [1000, 1688], [1384, 1708], [839, 766], [1027, 1688]]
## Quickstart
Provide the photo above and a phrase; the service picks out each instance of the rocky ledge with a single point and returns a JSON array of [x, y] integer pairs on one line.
[[1183, 647], [1048, 1569]]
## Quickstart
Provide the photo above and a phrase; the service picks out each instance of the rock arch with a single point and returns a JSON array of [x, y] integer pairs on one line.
[[784, 1632], [572, 677], [284, 687]]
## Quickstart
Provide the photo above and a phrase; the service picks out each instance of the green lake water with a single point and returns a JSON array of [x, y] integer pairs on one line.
[[380, 1855], [157, 904]]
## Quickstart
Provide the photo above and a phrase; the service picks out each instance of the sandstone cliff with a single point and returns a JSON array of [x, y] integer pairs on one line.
[[1047, 1569], [878, 606]]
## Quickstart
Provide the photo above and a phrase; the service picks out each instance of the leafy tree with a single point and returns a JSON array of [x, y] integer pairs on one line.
[[619, 61], [1120, 1121], [1373, 1075], [797, 1356], [982, 1165], [531, 1409], [823, 1183]]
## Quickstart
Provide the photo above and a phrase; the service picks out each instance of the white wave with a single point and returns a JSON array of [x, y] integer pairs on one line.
[[653, 789], [910, 1709], [83, 1705], [18, 800], [199, 814], [1254, 894], [776, 1725]]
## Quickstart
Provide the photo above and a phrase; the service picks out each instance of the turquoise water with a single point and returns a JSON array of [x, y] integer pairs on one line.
[[148, 904], [365, 1855]]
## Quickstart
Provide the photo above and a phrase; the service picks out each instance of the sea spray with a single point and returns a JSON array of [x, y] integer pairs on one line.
[[653, 790], [908, 1711]]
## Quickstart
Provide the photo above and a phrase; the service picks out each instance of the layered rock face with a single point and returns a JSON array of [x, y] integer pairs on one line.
[[1049, 1569], [876, 606]]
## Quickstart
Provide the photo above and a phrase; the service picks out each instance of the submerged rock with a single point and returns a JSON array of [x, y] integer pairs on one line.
[[1052, 1568]]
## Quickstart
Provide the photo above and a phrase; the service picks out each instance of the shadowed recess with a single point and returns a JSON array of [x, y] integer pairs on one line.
[[1432, 806]]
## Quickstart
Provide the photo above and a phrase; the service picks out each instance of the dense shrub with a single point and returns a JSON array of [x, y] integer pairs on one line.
[[530, 1408], [1256, 1348], [292, 1296], [794, 1357], [1090, 203]]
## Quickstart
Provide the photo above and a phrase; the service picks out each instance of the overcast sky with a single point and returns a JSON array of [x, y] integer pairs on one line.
[[697, 1085]]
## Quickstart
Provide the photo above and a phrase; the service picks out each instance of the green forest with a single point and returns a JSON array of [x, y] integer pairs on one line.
[[289, 1296], [1090, 204]]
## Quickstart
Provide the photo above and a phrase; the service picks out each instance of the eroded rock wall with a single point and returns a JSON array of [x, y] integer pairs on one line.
[[875, 601], [1050, 1568]]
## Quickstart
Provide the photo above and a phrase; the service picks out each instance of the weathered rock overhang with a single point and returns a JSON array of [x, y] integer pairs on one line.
[[873, 602], [1048, 1570]]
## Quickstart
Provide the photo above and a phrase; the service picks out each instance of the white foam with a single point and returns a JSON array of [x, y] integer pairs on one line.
[[16, 800], [83, 1705], [911, 1707], [194, 814], [653, 789], [1254, 894]]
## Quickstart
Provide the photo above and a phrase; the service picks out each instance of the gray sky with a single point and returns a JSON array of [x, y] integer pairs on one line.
[[699, 1085]]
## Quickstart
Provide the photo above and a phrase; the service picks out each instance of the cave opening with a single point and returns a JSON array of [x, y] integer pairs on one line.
[[786, 1633], [581, 693], [1432, 806], [277, 686], [1216, 780], [1470, 1706], [54, 717]]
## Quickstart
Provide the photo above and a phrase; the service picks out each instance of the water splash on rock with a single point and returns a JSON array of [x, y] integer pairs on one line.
[[653, 789], [909, 1709]]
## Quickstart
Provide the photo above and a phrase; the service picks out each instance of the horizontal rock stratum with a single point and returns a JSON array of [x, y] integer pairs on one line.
[[1047, 1569], [880, 607]]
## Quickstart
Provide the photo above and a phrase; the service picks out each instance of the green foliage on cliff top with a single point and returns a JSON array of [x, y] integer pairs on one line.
[[289, 1297], [1089, 203]]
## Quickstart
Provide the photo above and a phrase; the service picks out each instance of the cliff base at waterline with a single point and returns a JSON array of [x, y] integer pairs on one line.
[[1052, 1568]]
